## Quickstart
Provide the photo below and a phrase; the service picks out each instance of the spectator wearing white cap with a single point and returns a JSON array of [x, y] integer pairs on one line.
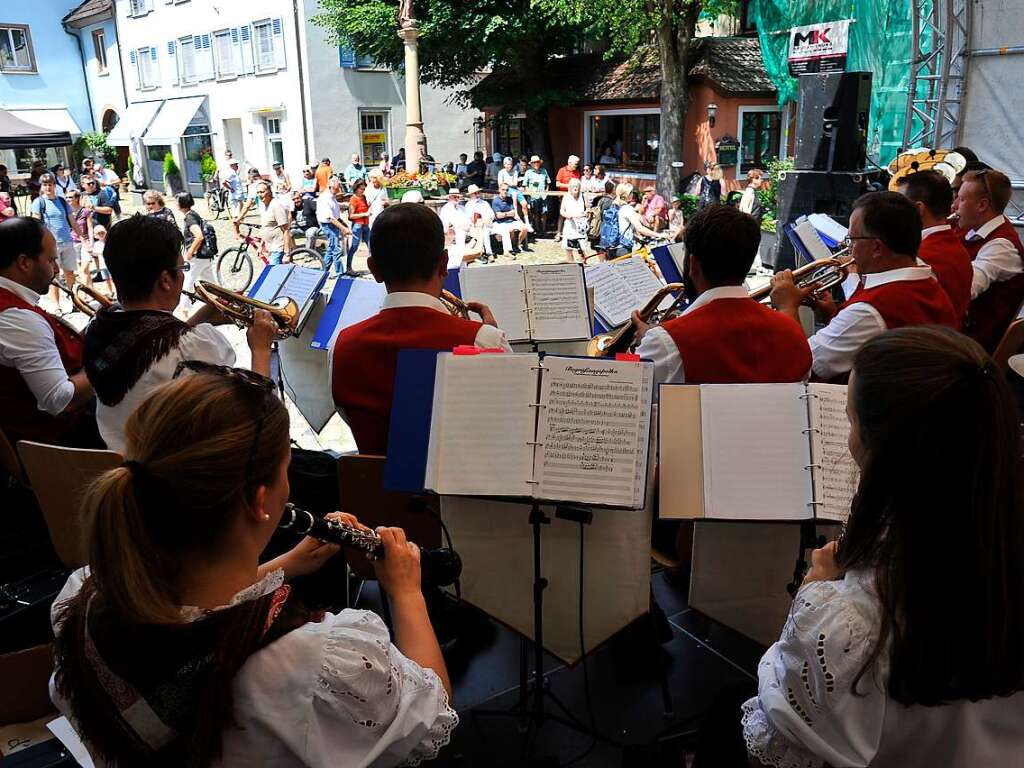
[[233, 183], [536, 182], [508, 174], [568, 172], [456, 223], [481, 217]]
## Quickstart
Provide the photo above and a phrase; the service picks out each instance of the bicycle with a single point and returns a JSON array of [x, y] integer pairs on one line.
[[236, 267], [216, 202]]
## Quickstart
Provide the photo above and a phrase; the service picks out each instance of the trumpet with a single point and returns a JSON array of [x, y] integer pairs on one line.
[[455, 306], [241, 309], [607, 344], [822, 274], [84, 305]]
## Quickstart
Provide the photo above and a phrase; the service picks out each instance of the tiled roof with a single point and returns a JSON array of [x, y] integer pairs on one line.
[[89, 9], [732, 64]]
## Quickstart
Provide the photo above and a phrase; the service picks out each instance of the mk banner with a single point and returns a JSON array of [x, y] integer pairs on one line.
[[819, 47]]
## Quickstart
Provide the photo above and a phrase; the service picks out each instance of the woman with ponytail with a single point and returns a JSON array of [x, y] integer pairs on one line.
[[905, 644], [176, 648]]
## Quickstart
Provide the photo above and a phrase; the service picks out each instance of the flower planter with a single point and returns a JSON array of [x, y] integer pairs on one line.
[[395, 193]]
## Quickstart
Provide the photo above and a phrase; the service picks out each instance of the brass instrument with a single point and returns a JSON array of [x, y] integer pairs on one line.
[[454, 304], [945, 161], [84, 305], [823, 274], [241, 309], [621, 340]]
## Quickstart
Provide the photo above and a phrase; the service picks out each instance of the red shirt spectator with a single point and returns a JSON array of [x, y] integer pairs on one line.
[[568, 172]]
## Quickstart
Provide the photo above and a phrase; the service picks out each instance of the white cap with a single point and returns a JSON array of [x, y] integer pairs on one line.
[[536, 159], [412, 196], [472, 189]]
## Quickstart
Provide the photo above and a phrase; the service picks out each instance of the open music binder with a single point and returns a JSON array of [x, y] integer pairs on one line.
[[301, 284], [526, 425], [755, 452], [535, 302], [622, 286]]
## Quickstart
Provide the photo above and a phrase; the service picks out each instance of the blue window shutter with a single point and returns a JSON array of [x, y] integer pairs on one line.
[[171, 47], [276, 26], [346, 56], [132, 57], [152, 53]]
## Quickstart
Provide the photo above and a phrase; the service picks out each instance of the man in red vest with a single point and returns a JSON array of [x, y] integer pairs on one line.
[[407, 243], [44, 392], [998, 257], [724, 336], [941, 247], [894, 291]]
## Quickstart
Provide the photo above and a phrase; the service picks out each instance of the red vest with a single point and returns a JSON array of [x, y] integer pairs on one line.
[[908, 302], [20, 417], [989, 315], [944, 252], [739, 341], [365, 358]]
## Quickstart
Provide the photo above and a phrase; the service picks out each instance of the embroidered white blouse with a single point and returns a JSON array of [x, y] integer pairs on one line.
[[330, 693], [806, 715]]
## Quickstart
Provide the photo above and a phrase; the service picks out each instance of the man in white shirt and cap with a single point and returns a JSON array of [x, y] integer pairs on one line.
[[481, 217]]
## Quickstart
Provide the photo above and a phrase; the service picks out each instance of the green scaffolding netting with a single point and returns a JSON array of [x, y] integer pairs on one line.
[[881, 42]]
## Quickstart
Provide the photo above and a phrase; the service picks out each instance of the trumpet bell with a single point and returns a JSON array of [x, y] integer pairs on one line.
[[242, 310]]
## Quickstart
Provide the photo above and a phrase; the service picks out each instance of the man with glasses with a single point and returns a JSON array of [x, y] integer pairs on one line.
[[55, 213], [133, 348], [98, 199], [997, 288], [275, 222], [894, 291]]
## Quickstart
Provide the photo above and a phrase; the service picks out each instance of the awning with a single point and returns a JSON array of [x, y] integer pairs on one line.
[[171, 121], [18, 132], [57, 119], [133, 123]]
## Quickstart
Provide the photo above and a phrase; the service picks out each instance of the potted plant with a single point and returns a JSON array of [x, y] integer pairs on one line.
[[172, 176], [207, 170], [400, 183]]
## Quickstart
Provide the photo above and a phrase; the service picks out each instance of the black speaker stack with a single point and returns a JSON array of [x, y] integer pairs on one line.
[[831, 151]]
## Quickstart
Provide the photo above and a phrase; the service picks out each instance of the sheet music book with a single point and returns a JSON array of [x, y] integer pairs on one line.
[[536, 302], [352, 301], [622, 286], [281, 281], [522, 426], [755, 452]]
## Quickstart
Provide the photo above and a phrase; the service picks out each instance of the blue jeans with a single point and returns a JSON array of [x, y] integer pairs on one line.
[[276, 257], [360, 232], [332, 256]]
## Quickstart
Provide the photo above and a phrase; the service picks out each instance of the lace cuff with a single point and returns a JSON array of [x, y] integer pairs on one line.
[[440, 732], [769, 746]]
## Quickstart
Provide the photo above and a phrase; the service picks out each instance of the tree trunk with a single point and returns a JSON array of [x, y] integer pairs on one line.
[[539, 131], [673, 49]]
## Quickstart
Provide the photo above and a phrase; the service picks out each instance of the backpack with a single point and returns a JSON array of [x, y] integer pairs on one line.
[[610, 227], [209, 249]]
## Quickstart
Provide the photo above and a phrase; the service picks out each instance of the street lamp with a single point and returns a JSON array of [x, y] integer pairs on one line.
[[712, 111]]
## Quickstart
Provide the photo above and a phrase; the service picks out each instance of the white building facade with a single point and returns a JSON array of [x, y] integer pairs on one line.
[[258, 78]]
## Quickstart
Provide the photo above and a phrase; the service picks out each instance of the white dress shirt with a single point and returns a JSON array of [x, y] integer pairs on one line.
[[657, 345], [454, 216], [27, 343], [335, 692], [488, 337], [997, 260], [203, 343], [376, 198], [806, 713], [327, 208], [833, 347], [483, 208]]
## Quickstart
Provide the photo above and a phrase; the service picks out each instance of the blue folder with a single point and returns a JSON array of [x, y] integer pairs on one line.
[[667, 266], [329, 319], [451, 282], [411, 412]]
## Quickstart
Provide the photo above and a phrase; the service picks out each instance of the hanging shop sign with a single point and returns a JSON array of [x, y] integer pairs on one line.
[[819, 47]]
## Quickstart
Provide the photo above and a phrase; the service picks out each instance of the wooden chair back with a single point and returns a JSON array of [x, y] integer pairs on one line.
[[58, 477], [25, 694], [361, 489]]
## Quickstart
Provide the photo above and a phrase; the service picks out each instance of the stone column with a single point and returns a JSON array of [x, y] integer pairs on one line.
[[415, 138]]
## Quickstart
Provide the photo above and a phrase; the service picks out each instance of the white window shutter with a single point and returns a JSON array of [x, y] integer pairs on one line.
[[204, 57], [245, 43], [155, 60], [236, 51], [280, 59], [172, 58]]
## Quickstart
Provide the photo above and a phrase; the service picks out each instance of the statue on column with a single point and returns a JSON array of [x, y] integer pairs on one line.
[[405, 17]]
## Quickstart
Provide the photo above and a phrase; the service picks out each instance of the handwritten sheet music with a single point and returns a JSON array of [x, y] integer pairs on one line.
[[502, 288], [593, 432], [836, 474], [557, 298], [614, 298], [756, 452], [483, 427], [643, 282]]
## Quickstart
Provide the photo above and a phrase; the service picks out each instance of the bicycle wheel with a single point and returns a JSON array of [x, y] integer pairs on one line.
[[213, 204], [307, 257], [234, 269]]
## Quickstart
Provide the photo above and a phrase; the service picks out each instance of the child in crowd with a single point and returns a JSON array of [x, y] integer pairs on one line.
[[99, 234], [676, 223]]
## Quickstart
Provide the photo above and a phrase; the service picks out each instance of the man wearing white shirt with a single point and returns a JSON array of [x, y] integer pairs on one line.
[[43, 391], [481, 216], [884, 237], [455, 222], [134, 347], [997, 288], [328, 214]]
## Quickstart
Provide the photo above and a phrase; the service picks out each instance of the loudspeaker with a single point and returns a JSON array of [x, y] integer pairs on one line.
[[803, 192], [832, 121]]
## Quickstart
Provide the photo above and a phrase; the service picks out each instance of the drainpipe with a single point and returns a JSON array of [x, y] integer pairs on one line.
[[302, 84]]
